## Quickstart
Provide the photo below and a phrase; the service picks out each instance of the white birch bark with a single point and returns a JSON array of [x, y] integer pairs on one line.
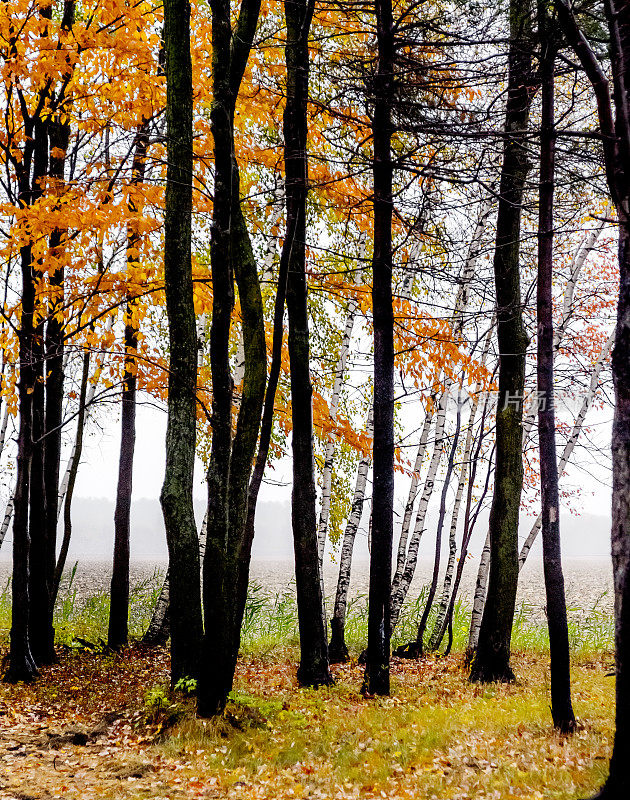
[[347, 546], [403, 576], [3, 428], [8, 513], [463, 476], [402, 579], [452, 536], [577, 263], [472, 261], [329, 450], [413, 492], [479, 601]]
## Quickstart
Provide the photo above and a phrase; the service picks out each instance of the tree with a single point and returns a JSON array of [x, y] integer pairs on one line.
[[376, 679], [314, 668], [492, 657], [561, 708], [231, 457], [177, 490], [614, 128], [118, 633]]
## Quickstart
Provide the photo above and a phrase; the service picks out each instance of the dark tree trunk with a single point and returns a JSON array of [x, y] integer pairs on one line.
[[40, 622], [314, 668], [22, 666], [118, 633], [59, 138], [618, 784], [217, 649], [561, 708], [492, 657], [376, 680], [615, 138], [230, 461], [41, 640], [177, 491]]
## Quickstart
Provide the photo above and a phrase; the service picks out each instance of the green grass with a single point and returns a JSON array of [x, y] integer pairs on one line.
[[270, 622], [437, 736], [87, 617]]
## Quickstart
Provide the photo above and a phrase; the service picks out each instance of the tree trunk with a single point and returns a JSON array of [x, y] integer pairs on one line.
[[230, 461], [492, 657], [468, 470], [329, 450], [402, 578], [8, 516], [314, 668], [177, 491], [376, 679], [118, 633], [59, 136], [561, 708], [411, 497], [32, 167], [22, 666], [40, 622], [469, 526], [337, 649], [416, 649], [159, 628], [440, 617]]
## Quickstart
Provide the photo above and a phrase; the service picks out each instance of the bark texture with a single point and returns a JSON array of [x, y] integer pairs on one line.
[[230, 459], [561, 707], [615, 137], [337, 649], [177, 491], [376, 679], [314, 667], [492, 657]]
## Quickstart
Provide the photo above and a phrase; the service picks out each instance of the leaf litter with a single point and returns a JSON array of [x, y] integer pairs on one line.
[[84, 731]]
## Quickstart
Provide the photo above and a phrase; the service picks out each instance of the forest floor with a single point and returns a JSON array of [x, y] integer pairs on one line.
[[98, 725]]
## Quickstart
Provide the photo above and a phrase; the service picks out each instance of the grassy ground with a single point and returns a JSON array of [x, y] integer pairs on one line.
[[101, 725], [436, 737], [271, 620]]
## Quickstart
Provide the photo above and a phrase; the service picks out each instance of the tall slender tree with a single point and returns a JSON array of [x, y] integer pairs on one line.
[[614, 126], [314, 667], [118, 632], [492, 657], [561, 707], [376, 679], [177, 491], [231, 457]]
